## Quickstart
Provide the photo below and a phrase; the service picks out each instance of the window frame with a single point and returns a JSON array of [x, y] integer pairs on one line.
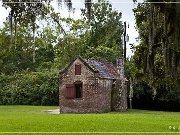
[[75, 89], [78, 69]]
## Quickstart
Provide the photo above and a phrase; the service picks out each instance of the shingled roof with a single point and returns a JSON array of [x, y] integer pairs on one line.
[[105, 69]]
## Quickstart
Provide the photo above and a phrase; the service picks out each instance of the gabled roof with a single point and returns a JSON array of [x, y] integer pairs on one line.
[[104, 69]]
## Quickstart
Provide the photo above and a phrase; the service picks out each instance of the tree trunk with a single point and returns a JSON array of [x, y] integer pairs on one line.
[[34, 46], [150, 58], [15, 31], [11, 27]]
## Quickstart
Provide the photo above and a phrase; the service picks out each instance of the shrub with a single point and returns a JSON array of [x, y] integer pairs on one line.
[[35, 88]]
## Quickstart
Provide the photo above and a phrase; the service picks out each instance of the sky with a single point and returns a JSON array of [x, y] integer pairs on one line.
[[123, 6]]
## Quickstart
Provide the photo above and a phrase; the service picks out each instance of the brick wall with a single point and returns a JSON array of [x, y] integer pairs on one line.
[[96, 93]]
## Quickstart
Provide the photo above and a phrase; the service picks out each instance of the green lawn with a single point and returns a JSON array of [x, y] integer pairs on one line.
[[36, 119]]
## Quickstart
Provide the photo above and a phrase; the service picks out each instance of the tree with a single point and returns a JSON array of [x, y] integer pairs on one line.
[[161, 34], [105, 30], [19, 58], [24, 13], [97, 38], [157, 55]]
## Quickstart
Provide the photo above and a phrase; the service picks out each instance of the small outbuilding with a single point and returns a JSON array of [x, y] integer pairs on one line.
[[91, 86]]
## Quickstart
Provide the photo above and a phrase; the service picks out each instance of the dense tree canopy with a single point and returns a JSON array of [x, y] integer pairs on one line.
[[157, 57]]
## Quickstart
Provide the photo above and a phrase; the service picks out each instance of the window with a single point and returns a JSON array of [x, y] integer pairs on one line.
[[77, 69], [69, 92], [78, 89], [73, 90]]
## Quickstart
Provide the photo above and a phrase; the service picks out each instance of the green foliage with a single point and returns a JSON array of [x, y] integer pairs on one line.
[[155, 63], [102, 53], [52, 46], [98, 38], [35, 88], [105, 26]]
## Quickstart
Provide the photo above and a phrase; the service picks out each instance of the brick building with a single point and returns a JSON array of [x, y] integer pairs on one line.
[[88, 86]]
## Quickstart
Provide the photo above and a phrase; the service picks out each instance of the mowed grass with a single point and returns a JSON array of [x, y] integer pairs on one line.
[[36, 119]]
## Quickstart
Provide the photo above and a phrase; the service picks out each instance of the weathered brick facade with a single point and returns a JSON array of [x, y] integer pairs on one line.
[[96, 91]]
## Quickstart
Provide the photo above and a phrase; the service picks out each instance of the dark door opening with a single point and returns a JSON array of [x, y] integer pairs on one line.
[[78, 89]]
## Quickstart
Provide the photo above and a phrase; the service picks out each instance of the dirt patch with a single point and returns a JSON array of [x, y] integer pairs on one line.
[[54, 111]]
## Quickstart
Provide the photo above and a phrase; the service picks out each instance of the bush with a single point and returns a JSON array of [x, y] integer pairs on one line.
[[35, 88], [164, 100]]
